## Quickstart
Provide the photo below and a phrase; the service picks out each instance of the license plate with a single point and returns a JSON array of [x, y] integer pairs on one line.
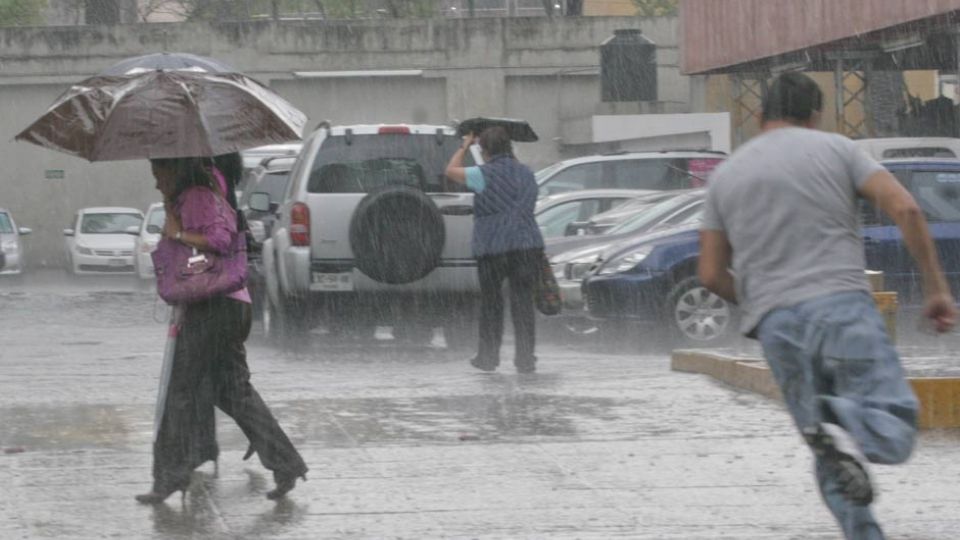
[[332, 282], [117, 262]]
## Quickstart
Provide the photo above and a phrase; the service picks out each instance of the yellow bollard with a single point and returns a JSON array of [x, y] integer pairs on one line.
[[887, 306]]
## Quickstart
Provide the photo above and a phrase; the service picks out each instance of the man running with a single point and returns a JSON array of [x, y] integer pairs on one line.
[[781, 236]]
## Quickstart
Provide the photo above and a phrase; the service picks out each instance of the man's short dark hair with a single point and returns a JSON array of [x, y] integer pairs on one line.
[[495, 141], [792, 97]]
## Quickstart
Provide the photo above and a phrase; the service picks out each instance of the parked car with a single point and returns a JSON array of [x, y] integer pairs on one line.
[[11, 243], [935, 184], [604, 221], [371, 233], [270, 178], [97, 240], [572, 263], [653, 278], [268, 183], [681, 205], [253, 158], [666, 170], [146, 238], [557, 213], [910, 147]]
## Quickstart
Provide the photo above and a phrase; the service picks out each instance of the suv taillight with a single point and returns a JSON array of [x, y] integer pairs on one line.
[[300, 225]]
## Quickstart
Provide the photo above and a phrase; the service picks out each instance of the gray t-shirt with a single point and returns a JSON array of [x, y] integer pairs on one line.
[[787, 201]]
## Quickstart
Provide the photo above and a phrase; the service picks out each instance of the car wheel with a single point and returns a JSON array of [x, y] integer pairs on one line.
[[698, 316]]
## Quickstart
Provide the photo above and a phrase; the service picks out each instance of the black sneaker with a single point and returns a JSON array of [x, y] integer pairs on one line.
[[844, 461], [482, 365]]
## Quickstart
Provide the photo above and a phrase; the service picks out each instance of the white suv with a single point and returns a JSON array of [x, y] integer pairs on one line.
[[370, 232], [675, 169]]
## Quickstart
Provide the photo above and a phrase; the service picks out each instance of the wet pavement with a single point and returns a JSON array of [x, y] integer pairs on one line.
[[409, 442]]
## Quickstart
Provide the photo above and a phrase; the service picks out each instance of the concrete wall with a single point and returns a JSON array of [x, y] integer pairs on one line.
[[543, 69]]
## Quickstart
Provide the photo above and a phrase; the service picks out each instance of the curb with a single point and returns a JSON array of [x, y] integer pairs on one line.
[[939, 396]]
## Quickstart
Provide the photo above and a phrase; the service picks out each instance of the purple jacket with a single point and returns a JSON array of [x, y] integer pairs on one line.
[[205, 212]]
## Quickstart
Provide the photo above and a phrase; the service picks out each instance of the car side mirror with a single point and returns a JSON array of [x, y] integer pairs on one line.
[[25, 231], [274, 206], [133, 230], [69, 232], [260, 201], [154, 229], [576, 228]]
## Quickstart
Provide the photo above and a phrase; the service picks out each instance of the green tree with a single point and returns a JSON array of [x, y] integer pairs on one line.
[[656, 8], [21, 12]]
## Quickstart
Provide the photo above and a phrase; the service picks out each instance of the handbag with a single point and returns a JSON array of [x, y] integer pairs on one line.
[[548, 292], [186, 275]]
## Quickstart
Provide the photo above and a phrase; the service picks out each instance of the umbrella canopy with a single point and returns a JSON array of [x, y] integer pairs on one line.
[[517, 130], [167, 62], [165, 114]]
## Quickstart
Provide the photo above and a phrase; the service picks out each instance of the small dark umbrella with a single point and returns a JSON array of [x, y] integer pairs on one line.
[[165, 114], [167, 62], [517, 130]]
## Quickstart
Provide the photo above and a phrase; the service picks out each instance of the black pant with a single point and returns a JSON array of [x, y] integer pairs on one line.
[[520, 269], [210, 369]]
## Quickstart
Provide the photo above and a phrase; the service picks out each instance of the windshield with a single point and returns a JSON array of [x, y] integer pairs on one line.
[[109, 223], [937, 192], [546, 172], [371, 162], [6, 225], [650, 217]]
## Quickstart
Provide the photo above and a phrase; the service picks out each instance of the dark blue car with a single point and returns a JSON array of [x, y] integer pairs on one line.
[[653, 278]]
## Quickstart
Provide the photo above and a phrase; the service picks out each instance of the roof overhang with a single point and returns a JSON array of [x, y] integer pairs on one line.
[[751, 36]]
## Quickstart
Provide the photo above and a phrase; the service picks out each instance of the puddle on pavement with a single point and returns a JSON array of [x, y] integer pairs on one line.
[[515, 416]]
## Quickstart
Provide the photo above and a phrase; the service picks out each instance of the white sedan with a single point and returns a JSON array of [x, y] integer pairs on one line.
[[97, 240]]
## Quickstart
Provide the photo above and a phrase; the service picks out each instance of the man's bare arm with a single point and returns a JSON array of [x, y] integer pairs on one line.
[[714, 267]]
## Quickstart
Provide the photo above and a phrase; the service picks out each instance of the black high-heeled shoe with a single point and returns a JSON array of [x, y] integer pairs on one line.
[[157, 496], [285, 484]]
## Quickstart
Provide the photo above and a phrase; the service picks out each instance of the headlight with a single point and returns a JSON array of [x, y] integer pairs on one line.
[[625, 262], [84, 250], [577, 268], [557, 269], [147, 247], [9, 246]]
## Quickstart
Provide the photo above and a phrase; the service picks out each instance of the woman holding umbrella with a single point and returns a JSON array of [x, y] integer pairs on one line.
[[209, 364], [506, 242], [165, 108]]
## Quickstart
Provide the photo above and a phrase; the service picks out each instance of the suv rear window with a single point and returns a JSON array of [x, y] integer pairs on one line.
[[372, 162], [6, 227]]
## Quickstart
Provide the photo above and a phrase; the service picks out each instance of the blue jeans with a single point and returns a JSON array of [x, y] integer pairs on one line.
[[834, 363]]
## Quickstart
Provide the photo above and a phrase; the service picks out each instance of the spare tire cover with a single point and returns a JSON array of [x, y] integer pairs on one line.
[[397, 235]]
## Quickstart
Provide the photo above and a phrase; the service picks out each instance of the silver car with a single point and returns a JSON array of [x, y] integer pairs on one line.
[[11, 244], [97, 240], [146, 238]]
